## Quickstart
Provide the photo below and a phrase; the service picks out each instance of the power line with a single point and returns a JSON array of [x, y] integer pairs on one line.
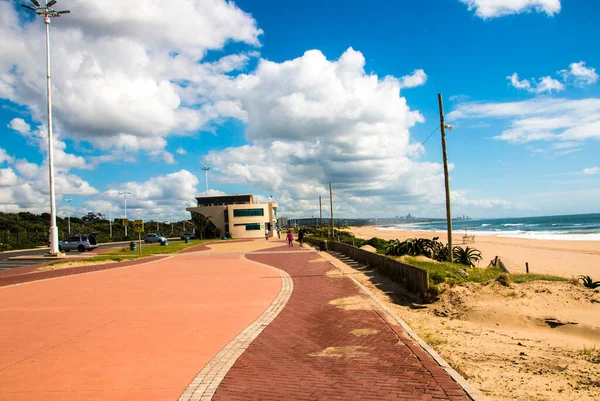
[[402, 164]]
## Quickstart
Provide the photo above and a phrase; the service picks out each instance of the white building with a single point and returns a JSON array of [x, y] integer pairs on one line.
[[238, 215]]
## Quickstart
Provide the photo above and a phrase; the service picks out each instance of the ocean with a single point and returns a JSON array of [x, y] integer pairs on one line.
[[579, 227]]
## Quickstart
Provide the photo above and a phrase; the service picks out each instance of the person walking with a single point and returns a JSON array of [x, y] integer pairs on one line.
[[278, 232], [301, 236], [290, 239], [267, 234]]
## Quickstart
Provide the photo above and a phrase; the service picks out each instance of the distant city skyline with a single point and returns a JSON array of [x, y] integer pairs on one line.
[[282, 98]]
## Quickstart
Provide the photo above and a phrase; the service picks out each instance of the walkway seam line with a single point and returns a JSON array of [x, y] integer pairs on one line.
[[471, 391], [206, 382]]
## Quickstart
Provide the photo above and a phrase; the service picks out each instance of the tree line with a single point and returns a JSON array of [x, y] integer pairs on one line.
[[27, 230]]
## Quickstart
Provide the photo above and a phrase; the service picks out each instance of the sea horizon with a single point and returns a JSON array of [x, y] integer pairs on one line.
[[573, 227]]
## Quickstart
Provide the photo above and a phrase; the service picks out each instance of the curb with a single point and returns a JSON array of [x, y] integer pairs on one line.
[[471, 391], [206, 382]]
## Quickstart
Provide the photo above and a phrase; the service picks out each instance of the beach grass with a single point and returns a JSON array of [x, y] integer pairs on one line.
[[440, 272]]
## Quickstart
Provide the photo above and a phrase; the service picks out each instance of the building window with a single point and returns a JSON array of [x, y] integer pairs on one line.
[[250, 226], [248, 212]]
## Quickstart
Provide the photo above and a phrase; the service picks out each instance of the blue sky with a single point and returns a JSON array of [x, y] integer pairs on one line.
[[283, 97]]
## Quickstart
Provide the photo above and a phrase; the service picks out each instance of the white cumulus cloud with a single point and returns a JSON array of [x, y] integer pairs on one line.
[[548, 119], [591, 170], [545, 84], [498, 8], [417, 78], [579, 74]]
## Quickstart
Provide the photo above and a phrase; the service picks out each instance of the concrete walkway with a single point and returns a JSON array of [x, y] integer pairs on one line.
[[245, 320], [140, 332]]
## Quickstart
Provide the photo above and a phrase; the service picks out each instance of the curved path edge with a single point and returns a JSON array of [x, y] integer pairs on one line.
[[206, 382], [471, 391]]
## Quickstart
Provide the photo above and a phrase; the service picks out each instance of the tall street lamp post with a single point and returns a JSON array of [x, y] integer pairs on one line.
[[69, 215], [110, 219], [47, 12], [125, 193], [205, 169]]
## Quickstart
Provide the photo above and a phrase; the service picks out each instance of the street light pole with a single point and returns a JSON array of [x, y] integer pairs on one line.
[[47, 12], [110, 219], [125, 193], [443, 127], [157, 229], [205, 169], [69, 214]]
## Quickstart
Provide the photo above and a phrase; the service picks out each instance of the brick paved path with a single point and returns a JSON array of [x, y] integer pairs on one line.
[[315, 350]]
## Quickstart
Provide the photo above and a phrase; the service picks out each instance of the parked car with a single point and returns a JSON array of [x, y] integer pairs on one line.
[[150, 238], [188, 236], [81, 243]]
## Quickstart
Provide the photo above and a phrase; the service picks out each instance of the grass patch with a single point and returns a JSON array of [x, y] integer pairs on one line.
[[591, 355], [526, 278], [448, 272], [153, 249], [440, 272], [121, 254]]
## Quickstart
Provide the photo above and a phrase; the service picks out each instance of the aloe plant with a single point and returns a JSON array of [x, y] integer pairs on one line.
[[588, 282], [468, 256]]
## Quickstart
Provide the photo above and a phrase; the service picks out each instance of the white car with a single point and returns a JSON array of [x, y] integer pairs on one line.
[[81, 243], [154, 238]]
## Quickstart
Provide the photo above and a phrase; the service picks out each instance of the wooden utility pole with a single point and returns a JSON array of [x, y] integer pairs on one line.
[[320, 216], [331, 206], [446, 179]]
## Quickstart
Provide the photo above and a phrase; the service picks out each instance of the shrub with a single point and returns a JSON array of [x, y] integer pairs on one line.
[[378, 243], [588, 282], [437, 277], [503, 279], [468, 256]]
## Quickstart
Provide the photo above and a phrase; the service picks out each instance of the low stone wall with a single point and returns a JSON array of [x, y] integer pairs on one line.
[[411, 277]]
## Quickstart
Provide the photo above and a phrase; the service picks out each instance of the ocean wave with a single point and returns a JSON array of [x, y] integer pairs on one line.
[[540, 235], [512, 225], [485, 225]]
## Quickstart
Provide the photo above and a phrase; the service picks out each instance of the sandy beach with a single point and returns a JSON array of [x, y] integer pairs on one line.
[[533, 341], [563, 258]]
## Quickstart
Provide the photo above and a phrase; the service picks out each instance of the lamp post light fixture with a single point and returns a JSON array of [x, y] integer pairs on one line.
[[157, 229], [205, 169], [69, 215], [125, 193], [47, 12]]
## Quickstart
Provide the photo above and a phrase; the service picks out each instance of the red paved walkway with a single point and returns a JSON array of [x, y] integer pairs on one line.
[[285, 361], [136, 333]]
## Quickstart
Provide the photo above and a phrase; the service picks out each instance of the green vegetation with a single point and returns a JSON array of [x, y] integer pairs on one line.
[[591, 354], [27, 230], [527, 278], [120, 254], [440, 272], [432, 249], [588, 282], [439, 269]]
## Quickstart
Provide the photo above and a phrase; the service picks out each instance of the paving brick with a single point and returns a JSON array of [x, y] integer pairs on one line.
[[286, 361]]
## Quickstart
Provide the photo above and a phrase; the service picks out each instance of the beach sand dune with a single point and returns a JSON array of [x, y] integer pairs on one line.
[[533, 341], [563, 258]]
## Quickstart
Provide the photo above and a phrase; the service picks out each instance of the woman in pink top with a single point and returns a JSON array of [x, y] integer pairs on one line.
[[290, 238]]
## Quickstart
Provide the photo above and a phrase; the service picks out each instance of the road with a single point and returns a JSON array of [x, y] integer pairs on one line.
[[6, 264]]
